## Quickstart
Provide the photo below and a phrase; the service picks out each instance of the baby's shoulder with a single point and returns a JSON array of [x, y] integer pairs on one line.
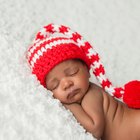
[[95, 90], [94, 94]]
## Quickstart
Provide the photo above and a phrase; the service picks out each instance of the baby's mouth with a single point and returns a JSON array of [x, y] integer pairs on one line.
[[73, 92]]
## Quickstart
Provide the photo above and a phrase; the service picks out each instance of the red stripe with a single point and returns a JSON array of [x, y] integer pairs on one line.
[[49, 28], [118, 92], [99, 70], [106, 83], [76, 36], [39, 36], [63, 29], [43, 45], [94, 58]]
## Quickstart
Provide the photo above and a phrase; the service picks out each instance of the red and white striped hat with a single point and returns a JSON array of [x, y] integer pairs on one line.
[[47, 51]]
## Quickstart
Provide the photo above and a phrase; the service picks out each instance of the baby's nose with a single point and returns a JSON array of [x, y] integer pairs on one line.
[[66, 83]]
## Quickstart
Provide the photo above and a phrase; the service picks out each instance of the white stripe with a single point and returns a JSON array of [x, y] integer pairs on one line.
[[122, 92], [38, 44], [50, 45], [91, 52], [43, 32], [39, 53], [35, 41], [110, 90], [69, 33], [34, 59], [101, 77], [36, 56], [80, 42], [35, 46], [43, 49], [96, 64], [32, 50], [56, 28]]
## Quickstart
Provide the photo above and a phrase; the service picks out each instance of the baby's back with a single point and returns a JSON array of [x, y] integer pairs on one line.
[[122, 123]]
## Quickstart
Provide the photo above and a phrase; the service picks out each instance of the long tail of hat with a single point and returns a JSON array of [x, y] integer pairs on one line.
[[96, 65]]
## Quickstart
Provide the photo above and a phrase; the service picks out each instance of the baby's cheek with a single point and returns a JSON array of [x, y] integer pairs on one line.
[[58, 94], [55, 94]]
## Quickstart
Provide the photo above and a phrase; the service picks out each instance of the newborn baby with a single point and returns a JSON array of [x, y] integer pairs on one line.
[[62, 64], [98, 112]]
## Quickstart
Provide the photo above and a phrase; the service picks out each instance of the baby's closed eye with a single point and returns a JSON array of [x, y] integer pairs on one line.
[[53, 85], [72, 71]]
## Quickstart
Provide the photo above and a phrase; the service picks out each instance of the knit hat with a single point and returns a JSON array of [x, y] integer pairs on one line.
[[48, 50]]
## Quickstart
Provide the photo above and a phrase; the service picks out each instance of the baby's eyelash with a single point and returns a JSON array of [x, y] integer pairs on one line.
[[74, 72], [55, 87]]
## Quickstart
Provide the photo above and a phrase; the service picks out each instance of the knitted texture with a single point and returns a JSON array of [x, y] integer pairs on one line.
[[58, 50], [132, 94], [47, 51]]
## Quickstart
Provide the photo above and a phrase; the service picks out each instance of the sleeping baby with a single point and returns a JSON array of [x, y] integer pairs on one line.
[[62, 65]]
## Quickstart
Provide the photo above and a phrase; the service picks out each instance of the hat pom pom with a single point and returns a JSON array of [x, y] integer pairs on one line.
[[132, 94]]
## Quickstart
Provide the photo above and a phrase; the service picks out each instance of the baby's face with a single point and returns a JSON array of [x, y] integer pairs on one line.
[[69, 81]]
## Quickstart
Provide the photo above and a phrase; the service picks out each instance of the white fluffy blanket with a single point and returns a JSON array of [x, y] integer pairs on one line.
[[27, 110]]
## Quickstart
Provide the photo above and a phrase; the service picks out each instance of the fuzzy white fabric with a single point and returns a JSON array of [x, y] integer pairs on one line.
[[27, 110]]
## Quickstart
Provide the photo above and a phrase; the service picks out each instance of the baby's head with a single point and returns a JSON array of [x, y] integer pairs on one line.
[[60, 61], [48, 52], [69, 80]]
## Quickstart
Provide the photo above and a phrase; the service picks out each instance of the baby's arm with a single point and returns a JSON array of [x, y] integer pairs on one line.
[[93, 106], [81, 116]]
